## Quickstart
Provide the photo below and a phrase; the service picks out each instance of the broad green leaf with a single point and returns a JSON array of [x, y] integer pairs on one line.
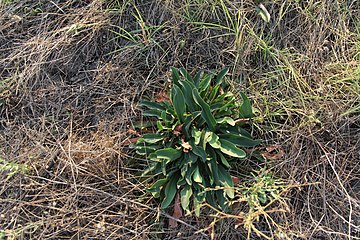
[[178, 100], [152, 105], [154, 192], [213, 165], [216, 106], [205, 113], [206, 171], [184, 170], [168, 153], [175, 76], [185, 195], [197, 176], [223, 159], [227, 120], [146, 149], [213, 93], [165, 116], [221, 198], [245, 108], [199, 151], [212, 139], [155, 188], [221, 75], [150, 169], [192, 157], [152, 113], [189, 174], [196, 134], [210, 198], [230, 149], [205, 83], [186, 74], [181, 182], [197, 206], [170, 192], [187, 88], [226, 180], [235, 130], [229, 103], [197, 78], [240, 140], [152, 137]]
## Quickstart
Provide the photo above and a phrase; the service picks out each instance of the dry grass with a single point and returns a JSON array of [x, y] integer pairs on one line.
[[71, 73]]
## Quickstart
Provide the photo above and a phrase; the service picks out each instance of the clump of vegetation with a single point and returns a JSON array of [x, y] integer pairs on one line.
[[11, 168], [199, 134]]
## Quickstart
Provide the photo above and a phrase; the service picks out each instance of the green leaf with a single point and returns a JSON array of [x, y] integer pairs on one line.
[[240, 140], [153, 166], [205, 113], [197, 206], [197, 177], [221, 199], [223, 159], [168, 153], [213, 140], [175, 76], [158, 183], [166, 117], [146, 149], [197, 78], [159, 125], [226, 181], [198, 150], [187, 124], [189, 174], [230, 149], [213, 166], [227, 120], [152, 113], [186, 74], [156, 187], [152, 105], [170, 192], [152, 137], [213, 93], [187, 88], [205, 83], [221, 75], [185, 195], [245, 108], [196, 134], [235, 130], [178, 100], [210, 198]]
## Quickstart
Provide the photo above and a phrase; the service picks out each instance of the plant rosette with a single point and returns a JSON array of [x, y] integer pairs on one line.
[[199, 135]]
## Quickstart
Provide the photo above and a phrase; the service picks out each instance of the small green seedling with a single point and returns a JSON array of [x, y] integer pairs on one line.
[[11, 168]]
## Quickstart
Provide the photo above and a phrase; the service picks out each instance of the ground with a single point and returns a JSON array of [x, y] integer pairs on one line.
[[72, 74]]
